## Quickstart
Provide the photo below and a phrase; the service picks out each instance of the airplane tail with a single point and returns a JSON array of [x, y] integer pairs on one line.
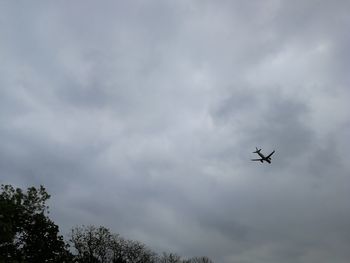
[[257, 150]]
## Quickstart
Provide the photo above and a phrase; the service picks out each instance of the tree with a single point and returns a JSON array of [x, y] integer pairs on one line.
[[92, 244], [26, 233], [136, 252], [170, 258], [199, 260], [99, 245], [10, 221]]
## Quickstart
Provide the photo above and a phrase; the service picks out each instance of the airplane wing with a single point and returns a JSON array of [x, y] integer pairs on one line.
[[270, 154], [256, 159]]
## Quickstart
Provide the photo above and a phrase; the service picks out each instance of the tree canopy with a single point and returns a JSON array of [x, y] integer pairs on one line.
[[28, 235]]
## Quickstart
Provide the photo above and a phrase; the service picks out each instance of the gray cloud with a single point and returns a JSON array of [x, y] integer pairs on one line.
[[142, 117]]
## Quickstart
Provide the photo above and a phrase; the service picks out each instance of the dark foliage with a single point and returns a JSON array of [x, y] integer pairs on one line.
[[99, 245], [27, 234]]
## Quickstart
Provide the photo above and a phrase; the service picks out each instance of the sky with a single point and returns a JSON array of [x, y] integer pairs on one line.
[[142, 116]]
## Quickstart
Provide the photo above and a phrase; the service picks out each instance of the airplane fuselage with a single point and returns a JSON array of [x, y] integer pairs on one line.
[[263, 157]]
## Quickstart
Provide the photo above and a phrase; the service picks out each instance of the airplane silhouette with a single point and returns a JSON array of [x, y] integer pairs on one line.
[[263, 157]]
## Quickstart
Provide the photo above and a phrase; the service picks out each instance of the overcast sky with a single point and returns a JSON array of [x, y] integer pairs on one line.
[[142, 116]]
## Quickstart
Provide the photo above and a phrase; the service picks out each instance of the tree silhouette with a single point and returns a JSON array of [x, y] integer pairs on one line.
[[26, 233], [99, 245], [170, 258]]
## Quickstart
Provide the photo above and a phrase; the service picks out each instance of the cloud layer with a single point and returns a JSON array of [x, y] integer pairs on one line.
[[142, 116]]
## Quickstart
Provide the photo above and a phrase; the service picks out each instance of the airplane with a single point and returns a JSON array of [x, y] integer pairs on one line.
[[263, 157]]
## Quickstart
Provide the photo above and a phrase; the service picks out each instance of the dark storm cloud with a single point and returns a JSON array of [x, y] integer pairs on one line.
[[142, 117]]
